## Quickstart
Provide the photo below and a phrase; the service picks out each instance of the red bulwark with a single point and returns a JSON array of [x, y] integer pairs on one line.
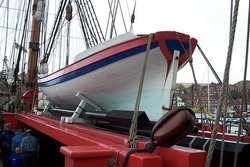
[[78, 156], [181, 156], [228, 136], [88, 146], [246, 139], [11, 118]]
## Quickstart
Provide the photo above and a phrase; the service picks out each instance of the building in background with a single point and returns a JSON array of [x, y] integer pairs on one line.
[[187, 95]]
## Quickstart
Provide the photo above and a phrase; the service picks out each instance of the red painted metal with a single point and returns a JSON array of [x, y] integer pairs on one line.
[[80, 156], [162, 36], [228, 136], [88, 146], [209, 128], [11, 118], [246, 139], [30, 97], [180, 156]]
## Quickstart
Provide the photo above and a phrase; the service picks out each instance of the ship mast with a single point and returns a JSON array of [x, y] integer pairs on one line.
[[33, 48]]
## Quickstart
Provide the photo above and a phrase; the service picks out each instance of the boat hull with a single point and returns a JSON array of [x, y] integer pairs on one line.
[[110, 77]]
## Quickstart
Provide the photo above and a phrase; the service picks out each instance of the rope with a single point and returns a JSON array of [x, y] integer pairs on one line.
[[16, 70], [198, 96], [235, 107], [224, 88], [195, 80], [133, 128], [244, 92], [123, 20], [54, 31], [68, 18], [132, 20], [223, 134], [113, 13], [200, 107], [7, 25]]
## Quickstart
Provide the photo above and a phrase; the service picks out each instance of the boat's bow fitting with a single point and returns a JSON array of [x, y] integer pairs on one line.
[[170, 129], [75, 117], [170, 84]]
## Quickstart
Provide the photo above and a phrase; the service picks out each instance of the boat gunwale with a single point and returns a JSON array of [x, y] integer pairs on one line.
[[111, 51], [62, 71]]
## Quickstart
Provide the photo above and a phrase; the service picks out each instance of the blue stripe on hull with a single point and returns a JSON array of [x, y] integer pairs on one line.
[[171, 45], [94, 66]]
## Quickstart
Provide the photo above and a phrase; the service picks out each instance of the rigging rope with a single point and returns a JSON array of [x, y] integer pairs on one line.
[[231, 16], [225, 107], [244, 99], [224, 88], [133, 128], [44, 26], [24, 50], [91, 28], [79, 7], [6, 35], [124, 24], [68, 17], [16, 70], [244, 91], [132, 18], [200, 107], [196, 85], [113, 20], [15, 44], [54, 31], [110, 15], [235, 107], [223, 132]]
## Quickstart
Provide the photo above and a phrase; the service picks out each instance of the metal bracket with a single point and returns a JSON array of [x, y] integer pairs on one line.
[[45, 111], [170, 83], [75, 117]]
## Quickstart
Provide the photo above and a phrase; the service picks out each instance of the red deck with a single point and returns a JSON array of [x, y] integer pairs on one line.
[[88, 146]]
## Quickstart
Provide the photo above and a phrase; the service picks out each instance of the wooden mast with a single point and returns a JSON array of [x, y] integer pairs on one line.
[[33, 48]]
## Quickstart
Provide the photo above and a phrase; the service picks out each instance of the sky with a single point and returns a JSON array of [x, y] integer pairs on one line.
[[206, 20]]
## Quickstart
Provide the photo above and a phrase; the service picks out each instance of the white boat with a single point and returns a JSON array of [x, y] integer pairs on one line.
[[108, 74]]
